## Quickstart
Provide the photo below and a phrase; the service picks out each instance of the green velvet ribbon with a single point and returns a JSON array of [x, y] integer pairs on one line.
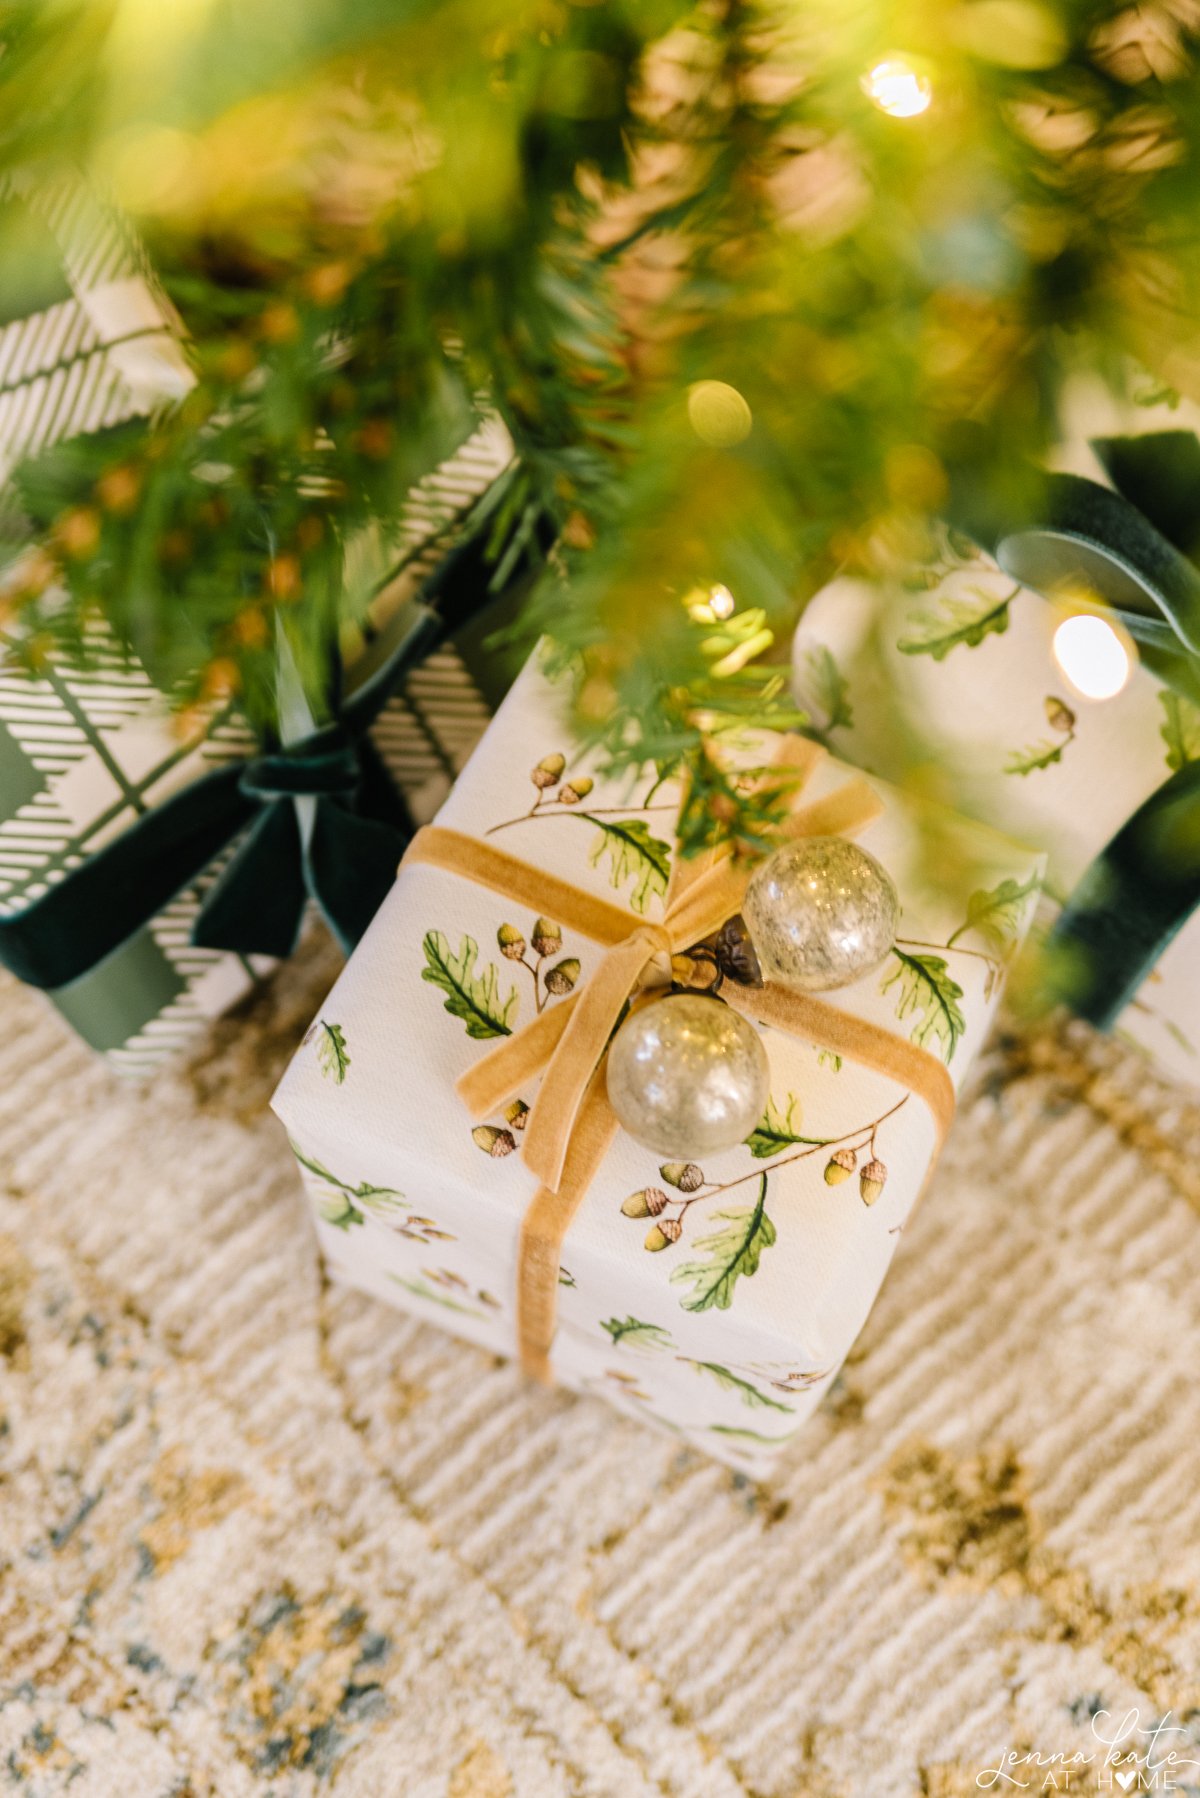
[[1132, 548], [345, 857]]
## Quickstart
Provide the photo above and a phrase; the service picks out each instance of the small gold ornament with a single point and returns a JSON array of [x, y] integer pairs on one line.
[[821, 913], [687, 1073]]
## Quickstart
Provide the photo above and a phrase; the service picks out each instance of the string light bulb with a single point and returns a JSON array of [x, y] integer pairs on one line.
[[710, 605], [897, 88], [1092, 655]]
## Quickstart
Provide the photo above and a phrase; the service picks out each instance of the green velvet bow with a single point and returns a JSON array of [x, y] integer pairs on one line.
[[344, 856], [1135, 549]]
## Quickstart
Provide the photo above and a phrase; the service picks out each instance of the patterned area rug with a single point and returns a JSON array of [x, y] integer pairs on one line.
[[262, 1537]]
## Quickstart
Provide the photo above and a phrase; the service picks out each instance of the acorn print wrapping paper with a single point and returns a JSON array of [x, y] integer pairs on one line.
[[716, 1296], [962, 671]]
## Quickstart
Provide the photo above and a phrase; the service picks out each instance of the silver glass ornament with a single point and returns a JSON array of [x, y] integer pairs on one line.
[[688, 1076], [821, 913]]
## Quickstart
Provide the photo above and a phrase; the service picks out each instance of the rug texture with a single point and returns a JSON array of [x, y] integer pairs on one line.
[[259, 1536]]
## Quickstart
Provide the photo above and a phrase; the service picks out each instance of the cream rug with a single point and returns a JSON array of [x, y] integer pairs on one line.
[[261, 1537]]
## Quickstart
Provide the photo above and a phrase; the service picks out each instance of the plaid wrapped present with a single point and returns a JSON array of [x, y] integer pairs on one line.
[[83, 755], [88, 339]]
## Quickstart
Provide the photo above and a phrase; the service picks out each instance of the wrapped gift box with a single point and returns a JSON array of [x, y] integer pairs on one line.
[[962, 676], [88, 340], [84, 754], [731, 1333]]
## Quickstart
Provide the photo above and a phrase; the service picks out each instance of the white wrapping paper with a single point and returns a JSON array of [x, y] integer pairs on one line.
[[1015, 743], [731, 1334]]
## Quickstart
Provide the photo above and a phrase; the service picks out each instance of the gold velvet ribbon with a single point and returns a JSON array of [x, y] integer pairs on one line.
[[571, 1124]]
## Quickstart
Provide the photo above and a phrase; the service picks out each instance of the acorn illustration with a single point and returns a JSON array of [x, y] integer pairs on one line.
[[683, 1174], [840, 1166], [547, 937], [1059, 715], [493, 1141], [647, 1203], [516, 1114], [577, 788], [548, 771], [562, 977], [871, 1181], [511, 942], [660, 1234]]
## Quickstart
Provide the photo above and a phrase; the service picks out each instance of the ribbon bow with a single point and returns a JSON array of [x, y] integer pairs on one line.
[[324, 822], [571, 1124], [1132, 548], [343, 853]]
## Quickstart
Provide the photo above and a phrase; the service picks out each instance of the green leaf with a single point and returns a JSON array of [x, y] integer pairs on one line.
[[333, 1057], [1159, 473], [375, 1198], [631, 1330], [338, 1211], [1180, 729], [927, 994], [828, 1058], [746, 1391], [423, 1290], [731, 1253], [472, 997], [634, 855], [777, 1130], [824, 691], [1037, 755], [953, 620], [994, 913], [725, 1429]]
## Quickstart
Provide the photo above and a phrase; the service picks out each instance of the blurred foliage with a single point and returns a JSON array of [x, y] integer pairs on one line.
[[743, 326]]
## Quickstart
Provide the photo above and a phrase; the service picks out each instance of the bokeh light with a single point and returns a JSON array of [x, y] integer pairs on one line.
[[1092, 655], [897, 88], [718, 414]]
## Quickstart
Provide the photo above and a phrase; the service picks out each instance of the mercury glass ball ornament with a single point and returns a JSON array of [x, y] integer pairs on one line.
[[821, 912], [688, 1076]]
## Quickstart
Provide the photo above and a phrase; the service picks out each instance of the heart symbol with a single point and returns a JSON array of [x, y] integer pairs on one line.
[[1125, 1780]]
